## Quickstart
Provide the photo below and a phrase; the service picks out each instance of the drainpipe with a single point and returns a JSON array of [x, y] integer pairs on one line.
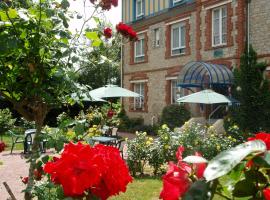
[[121, 69], [248, 23]]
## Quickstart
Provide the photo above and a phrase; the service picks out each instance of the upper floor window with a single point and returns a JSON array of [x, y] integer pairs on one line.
[[157, 37], [139, 8], [219, 26], [139, 101], [139, 50], [178, 39]]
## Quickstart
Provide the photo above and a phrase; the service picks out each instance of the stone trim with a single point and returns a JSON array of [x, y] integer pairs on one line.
[[208, 30], [198, 44]]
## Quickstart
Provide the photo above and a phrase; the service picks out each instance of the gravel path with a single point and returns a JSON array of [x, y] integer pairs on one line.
[[15, 166]]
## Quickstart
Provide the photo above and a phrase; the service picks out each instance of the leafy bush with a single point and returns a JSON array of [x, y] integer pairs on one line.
[[6, 120], [138, 152], [174, 115]]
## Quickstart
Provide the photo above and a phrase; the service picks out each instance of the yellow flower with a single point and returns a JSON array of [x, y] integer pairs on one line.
[[212, 135], [148, 143], [126, 139], [235, 126], [166, 147], [234, 139], [230, 137], [218, 147], [164, 126], [150, 139]]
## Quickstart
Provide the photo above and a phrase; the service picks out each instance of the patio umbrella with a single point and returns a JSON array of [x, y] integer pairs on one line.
[[112, 91], [85, 97], [207, 97]]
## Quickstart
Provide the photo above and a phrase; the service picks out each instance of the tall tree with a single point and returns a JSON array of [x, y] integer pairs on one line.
[[252, 90], [37, 54]]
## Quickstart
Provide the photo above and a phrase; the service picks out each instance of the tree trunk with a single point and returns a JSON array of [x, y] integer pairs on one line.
[[40, 114]]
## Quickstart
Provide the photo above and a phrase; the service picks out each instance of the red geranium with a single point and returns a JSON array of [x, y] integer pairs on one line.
[[126, 31], [176, 182], [265, 137], [25, 179], [266, 193], [2, 146], [82, 168], [107, 32]]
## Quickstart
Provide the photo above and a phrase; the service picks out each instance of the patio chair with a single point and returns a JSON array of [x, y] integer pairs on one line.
[[114, 132], [16, 139], [28, 142]]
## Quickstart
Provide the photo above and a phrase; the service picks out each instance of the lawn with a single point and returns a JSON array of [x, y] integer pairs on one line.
[[8, 141], [141, 189]]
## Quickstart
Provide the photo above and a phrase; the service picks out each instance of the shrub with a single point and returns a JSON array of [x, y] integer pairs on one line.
[[6, 120], [174, 115]]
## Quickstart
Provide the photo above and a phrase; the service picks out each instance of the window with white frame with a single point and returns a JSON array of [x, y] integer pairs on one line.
[[139, 50], [176, 91], [157, 37], [219, 26], [139, 8], [139, 101], [178, 39]]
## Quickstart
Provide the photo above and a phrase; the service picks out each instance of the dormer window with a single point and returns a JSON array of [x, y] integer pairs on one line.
[[139, 9]]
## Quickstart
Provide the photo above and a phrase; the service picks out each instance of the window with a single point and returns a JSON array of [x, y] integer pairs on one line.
[[178, 39], [156, 37], [176, 91], [139, 101], [219, 26], [139, 50], [139, 8], [176, 1]]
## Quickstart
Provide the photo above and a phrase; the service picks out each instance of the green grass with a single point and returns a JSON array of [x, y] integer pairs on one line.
[[8, 142], [141, 189]]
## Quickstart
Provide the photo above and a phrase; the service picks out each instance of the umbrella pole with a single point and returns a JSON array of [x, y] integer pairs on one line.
[[213, 112]]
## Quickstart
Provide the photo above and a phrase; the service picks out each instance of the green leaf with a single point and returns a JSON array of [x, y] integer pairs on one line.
[[92, 35], [255, 176], [197, 191], [12, 13], [3, 16], [65, 4], [45, 159], [244, 188], [96, 43], [227, 160], [195, 159]]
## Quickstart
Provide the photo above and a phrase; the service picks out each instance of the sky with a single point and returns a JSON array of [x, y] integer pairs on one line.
[[113, 16]]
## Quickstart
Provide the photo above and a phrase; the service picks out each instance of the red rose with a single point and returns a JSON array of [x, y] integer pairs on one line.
[[265, 137], [179, 153], [175, 183], [126, 31], [2, 146], [25, 180], [81, 168], [199, 167], [107, 32], [266, 193]]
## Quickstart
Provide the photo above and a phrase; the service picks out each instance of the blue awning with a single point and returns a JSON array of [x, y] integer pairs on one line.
[[199, 74]]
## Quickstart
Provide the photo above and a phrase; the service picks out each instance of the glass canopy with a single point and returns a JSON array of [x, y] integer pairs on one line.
[[205, 75]]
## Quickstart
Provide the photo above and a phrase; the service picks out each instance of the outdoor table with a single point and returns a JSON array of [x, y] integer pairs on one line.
[[29, 136], [103, 139]]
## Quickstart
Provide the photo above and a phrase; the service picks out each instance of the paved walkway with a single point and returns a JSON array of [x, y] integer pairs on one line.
[[15, 166]]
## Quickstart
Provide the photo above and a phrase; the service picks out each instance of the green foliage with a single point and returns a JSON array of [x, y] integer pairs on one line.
[[174, 115], [252, 90], [138, 152], [6, 120]]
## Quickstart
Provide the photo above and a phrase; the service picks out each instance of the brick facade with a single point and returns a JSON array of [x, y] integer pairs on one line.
[[159, 65]]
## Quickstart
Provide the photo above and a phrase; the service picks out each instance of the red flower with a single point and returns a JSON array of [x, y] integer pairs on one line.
[[175, 183], [2, 146], [107, 32], [38, 174], [81, 168], [105, 4], [179, 153], [266, 193], [265, 137], [199, 167], [25, 180], [126, 31], [110, 113]]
